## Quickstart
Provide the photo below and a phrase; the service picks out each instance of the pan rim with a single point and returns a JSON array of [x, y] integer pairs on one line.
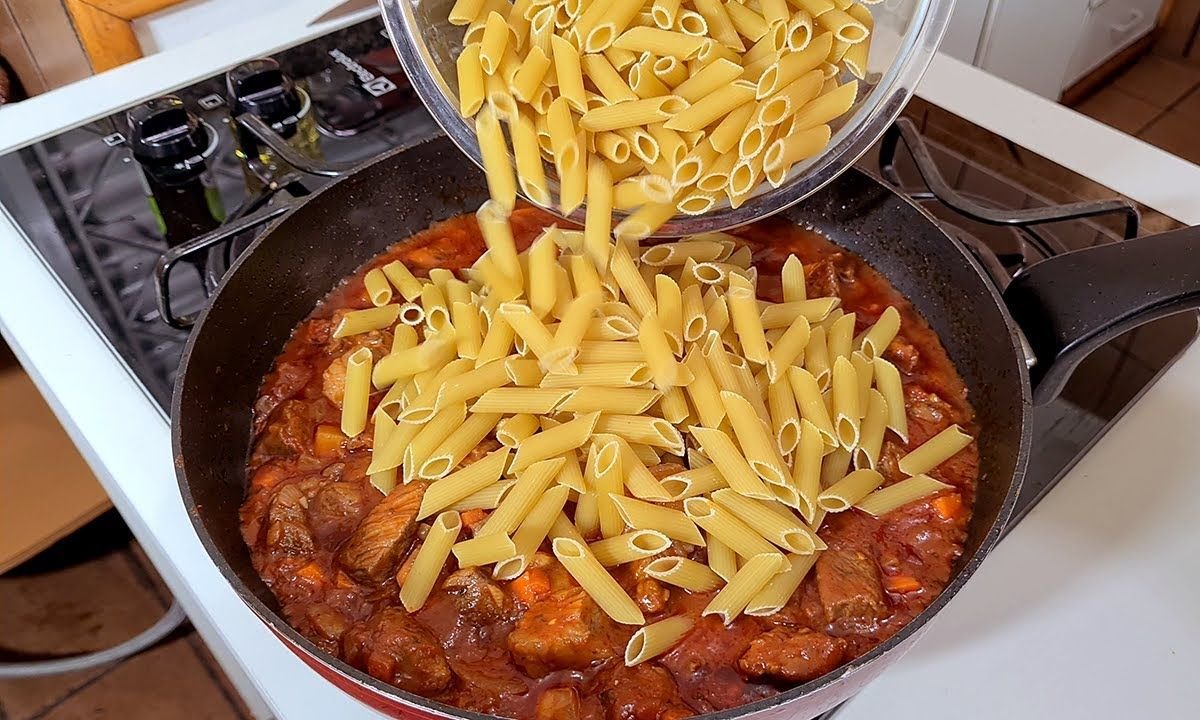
[[967, 568]]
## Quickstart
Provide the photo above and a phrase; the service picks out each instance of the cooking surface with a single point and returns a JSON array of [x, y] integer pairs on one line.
[[78, 202]]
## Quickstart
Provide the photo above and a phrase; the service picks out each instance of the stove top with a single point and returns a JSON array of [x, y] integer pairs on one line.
[[80, 200]]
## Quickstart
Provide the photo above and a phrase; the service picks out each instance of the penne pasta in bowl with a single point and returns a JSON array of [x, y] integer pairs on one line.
[[731, 111]]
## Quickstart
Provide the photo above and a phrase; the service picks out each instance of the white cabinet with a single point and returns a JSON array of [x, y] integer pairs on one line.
[[1046, 45], [1111, 26], [966, 28]]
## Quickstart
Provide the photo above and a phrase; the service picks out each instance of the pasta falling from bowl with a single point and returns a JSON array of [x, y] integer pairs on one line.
[[654, 107]]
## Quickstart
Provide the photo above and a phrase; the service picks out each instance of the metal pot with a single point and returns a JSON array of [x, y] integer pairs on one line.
[[1067, 306]]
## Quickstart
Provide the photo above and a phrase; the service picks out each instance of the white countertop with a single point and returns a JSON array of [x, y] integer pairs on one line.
[[1088, 609]]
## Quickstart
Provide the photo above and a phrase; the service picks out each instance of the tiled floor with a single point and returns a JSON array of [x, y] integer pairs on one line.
[[1158, 100], [90, 591]]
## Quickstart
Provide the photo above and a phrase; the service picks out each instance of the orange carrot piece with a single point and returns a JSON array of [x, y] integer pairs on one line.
[[472, 518], [901, 584], [531, 585], [327, 441], [948, 507], [312, 572]]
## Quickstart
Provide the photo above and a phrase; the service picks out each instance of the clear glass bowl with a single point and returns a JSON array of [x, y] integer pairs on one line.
[[906, 34]]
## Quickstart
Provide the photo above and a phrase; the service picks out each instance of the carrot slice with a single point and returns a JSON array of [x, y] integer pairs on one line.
[[531, 585], [327, 440], [901, 584], [948, 507], [312, 572]]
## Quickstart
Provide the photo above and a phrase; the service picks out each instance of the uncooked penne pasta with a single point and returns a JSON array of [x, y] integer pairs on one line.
[[532, 531], [427, 563], [935, 451], [874, 425], [885, 500], [483, 550], [642, 515], [357, 322], [887, 381], [596, 582], [848, 491], [357, 392], [722, 524], [750, 579], [780, 589], [779, 526], [655, 639], [631, 546]]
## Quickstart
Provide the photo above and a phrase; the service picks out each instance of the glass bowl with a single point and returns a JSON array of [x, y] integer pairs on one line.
[[906, 34]]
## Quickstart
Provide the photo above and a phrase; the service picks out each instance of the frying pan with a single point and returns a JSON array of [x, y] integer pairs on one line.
[[1066, 306]]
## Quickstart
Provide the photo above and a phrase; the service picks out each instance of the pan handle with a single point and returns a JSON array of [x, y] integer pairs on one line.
[[1071, 304]]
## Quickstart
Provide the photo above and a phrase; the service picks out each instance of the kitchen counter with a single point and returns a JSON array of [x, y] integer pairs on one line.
[[1088, 609]]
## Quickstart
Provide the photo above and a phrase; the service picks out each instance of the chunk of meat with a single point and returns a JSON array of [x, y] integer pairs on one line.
[[290, 431], [337, 508], [287, 379], [567, 630], [377, 545], [333, 380], [791, 655], [558, 704], [704, 662], [475, 596], [288, 534], [325, 626], [395, 648], [848, 584], [641, 692], [821, 278], [903, 354], [651, 595]]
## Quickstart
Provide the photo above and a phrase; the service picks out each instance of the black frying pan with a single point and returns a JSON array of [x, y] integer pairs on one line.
[[1067, 306]]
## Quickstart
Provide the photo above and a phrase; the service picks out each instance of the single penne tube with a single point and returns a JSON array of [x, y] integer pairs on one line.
[[719, 363], [528, 78], [432, 434], [887, 381], [454, 449], [747, 22], [626, 274], [602, 476], [935, 451], [597, 224], [563, 527], [846, 405], [357, 392], [684, 573], [497, 235], [459, 485], [792, 279], [643, 429], [743, 312], [429, 559], [690, 22], [665, 369], [470, 384], [712, 77], [885, 500], [788, 100], [555, 441], [542, 257], [532, 483], [655, 639], [712, 107], [785, 416], [568, 72], [720, 26], [738, 472], [729, 131], [464, 12], [750, 579], [754, 438], [857, 58], [848, 491], [385, 480], [356, 322], [486, 499], [697, 481], [632, 113], [483, 550], [606, 351], [498, 170], [787, 349], [531, 176], [781, 315], [532, 531], [722, 524], [378, 288], [839, 336], [777, 525], [695, 322], [512, 430], [664, 13], [575, 321], [432, 354], [876, 338], [806, 469], [529, 328], [826, 107], [780, 589], [643, 222], [864, 369], [722, 560], [816, 358], [671, 523], [799, 32], [494, 42], [636, 476], [583, 274], [467, 333], [606, 78], [631, 546], [612, 401], [670, 310], [703, 390], [642, 189], [437, 312], [752, 387], [621, 374], [843, 26], [596, 582], [402, 279], [614, 148], [660, 43]]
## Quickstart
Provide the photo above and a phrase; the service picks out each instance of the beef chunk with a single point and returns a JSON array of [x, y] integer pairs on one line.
[[651, 595], [567, 630], [289, 433], [288, 534], [381, 539], [791, 655], [848, 583], [558, 704], [475, 596], [325, 626], [641, 692], [821, 278], [337, 508], [903, 354], [395, 648], [287, 379]]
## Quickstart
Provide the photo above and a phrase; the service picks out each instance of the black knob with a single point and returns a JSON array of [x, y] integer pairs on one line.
[[162, 130], [259, 87]]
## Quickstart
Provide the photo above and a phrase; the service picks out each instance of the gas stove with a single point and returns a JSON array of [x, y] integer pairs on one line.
[[80, 201]]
